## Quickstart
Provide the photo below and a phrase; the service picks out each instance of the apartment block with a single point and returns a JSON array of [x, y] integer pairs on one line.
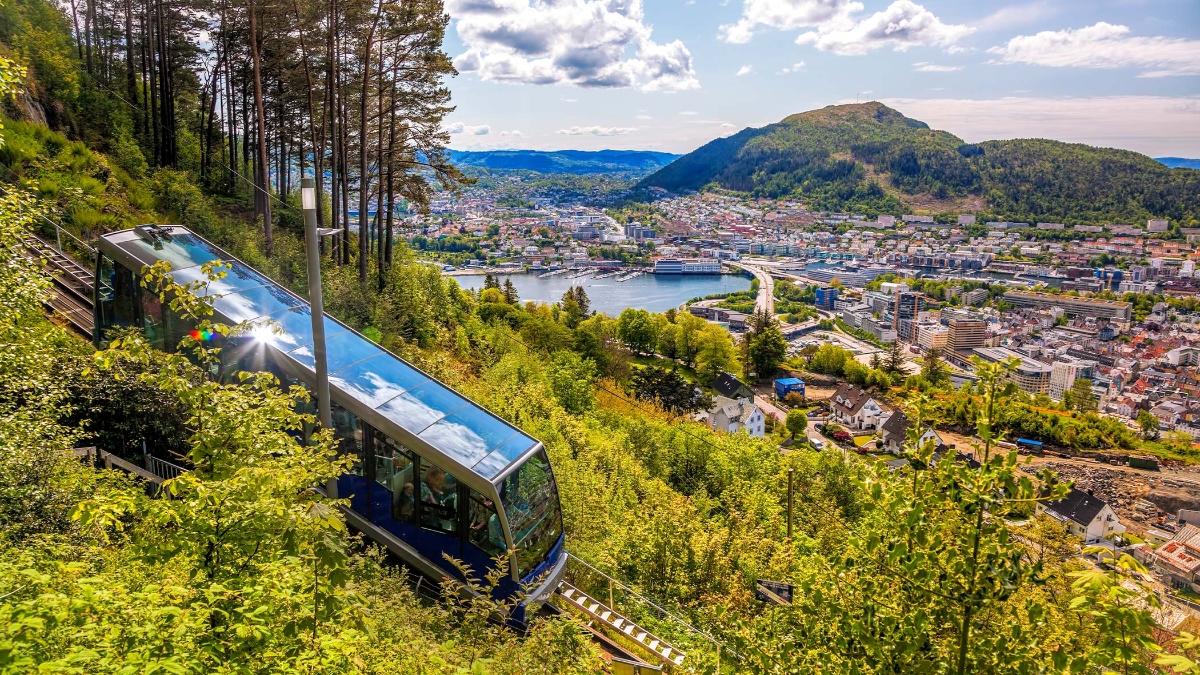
[[1100, 309]]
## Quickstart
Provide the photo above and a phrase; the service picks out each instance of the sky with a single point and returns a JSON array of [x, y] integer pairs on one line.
[[672, 75]]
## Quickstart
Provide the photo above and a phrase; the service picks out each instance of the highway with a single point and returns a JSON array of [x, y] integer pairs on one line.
[[766, 286]]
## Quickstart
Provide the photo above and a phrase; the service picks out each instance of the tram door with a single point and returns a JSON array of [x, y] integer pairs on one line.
[[414, 499]]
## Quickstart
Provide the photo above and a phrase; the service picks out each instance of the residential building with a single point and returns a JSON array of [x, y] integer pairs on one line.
[[729, 386], [1179, 558], [895, 433], [1085, 515], [932, 336], [975, 297], [855, 408], [734, 415], [1157, 225], [1063, 373], [1100, 309]]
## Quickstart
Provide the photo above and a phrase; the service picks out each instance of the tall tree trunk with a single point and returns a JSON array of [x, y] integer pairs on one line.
[[152, 45], [364, 181], [130, 77], [318, 148], [78, 34], [262, 198], [145, 98], [89, 16]]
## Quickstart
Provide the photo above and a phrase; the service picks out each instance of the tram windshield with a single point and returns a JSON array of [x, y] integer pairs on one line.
[[530, 500]]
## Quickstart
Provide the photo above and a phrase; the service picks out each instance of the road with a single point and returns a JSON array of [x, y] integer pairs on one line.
[[766, 287]]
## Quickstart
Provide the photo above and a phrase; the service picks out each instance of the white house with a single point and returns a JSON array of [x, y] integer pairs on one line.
[[895, 433], [734, 415], [1085, 515], [854, 408]]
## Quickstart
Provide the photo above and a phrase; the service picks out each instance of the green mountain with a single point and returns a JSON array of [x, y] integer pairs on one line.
[[869, 157]]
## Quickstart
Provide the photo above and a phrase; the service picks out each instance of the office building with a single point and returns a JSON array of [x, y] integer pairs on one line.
[[966, 334], [826, 297], [1031, 376]]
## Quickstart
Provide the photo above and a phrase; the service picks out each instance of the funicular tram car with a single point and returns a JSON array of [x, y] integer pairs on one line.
[[434, 473]]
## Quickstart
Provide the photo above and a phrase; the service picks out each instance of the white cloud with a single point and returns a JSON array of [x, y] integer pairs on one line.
[[644, 117], [515, 133], [1103, 45], [787, 15], [902, 25], [838, 29], [745, 70], [460, 128], [688, 113], [1017, 15], [794, 68], [727, 125], [569, 100], [596, 131], [1154, 125], [586, 43], [926, 67]]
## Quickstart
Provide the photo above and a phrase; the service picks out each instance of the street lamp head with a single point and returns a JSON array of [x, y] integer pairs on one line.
[[308, 197]]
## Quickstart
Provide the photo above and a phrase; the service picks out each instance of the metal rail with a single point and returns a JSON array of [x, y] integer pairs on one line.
[[73, 283], [674, 618]]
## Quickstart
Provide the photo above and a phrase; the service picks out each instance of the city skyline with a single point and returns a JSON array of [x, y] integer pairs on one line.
[[671, 76]]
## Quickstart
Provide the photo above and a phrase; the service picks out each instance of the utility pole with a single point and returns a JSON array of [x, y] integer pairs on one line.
[[791, 492]]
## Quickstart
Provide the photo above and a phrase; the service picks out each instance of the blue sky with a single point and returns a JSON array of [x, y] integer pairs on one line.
[[674, 74]]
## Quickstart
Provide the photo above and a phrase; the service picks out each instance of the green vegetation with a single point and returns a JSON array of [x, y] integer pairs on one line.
[[247, 569], [868, 158]]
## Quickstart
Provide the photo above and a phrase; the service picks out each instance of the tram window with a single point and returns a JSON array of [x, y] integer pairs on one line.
[[347, 433], [486, 532], [118, 295], [394, 470], [152, 319], [439, 498], [529, 497], [175, 328]]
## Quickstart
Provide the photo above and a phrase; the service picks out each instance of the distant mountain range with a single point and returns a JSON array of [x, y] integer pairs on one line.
[[869, 157], [1179, 162], [565, 161]]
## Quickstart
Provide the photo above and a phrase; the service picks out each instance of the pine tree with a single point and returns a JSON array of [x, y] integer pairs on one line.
[[510, 292]]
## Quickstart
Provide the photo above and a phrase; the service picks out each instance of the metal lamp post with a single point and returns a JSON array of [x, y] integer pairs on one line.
[[312, 239], [308, 201]]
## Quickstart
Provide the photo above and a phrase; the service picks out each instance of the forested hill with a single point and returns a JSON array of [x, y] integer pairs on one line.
[[565, 161], [869, 158]]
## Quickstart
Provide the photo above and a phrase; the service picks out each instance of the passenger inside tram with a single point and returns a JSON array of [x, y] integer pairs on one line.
[[439, 494]]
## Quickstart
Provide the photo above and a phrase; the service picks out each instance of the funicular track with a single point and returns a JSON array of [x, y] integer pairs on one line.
[[73, 283]]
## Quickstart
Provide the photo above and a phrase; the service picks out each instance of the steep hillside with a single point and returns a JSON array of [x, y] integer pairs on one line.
[[565, 161], [869, 157]]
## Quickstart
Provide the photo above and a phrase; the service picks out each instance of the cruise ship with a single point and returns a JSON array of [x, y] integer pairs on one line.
[[692, 266]]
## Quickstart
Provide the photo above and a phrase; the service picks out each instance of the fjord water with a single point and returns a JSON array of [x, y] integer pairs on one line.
[[653, 292]]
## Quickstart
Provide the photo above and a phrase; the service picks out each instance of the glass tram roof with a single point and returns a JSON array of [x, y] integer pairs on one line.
[[402, 394]]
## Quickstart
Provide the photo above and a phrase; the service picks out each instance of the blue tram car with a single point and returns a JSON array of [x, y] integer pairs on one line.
[[434, 474]]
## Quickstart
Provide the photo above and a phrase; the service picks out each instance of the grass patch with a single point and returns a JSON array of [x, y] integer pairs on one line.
[[860, 441], [689, 374]]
